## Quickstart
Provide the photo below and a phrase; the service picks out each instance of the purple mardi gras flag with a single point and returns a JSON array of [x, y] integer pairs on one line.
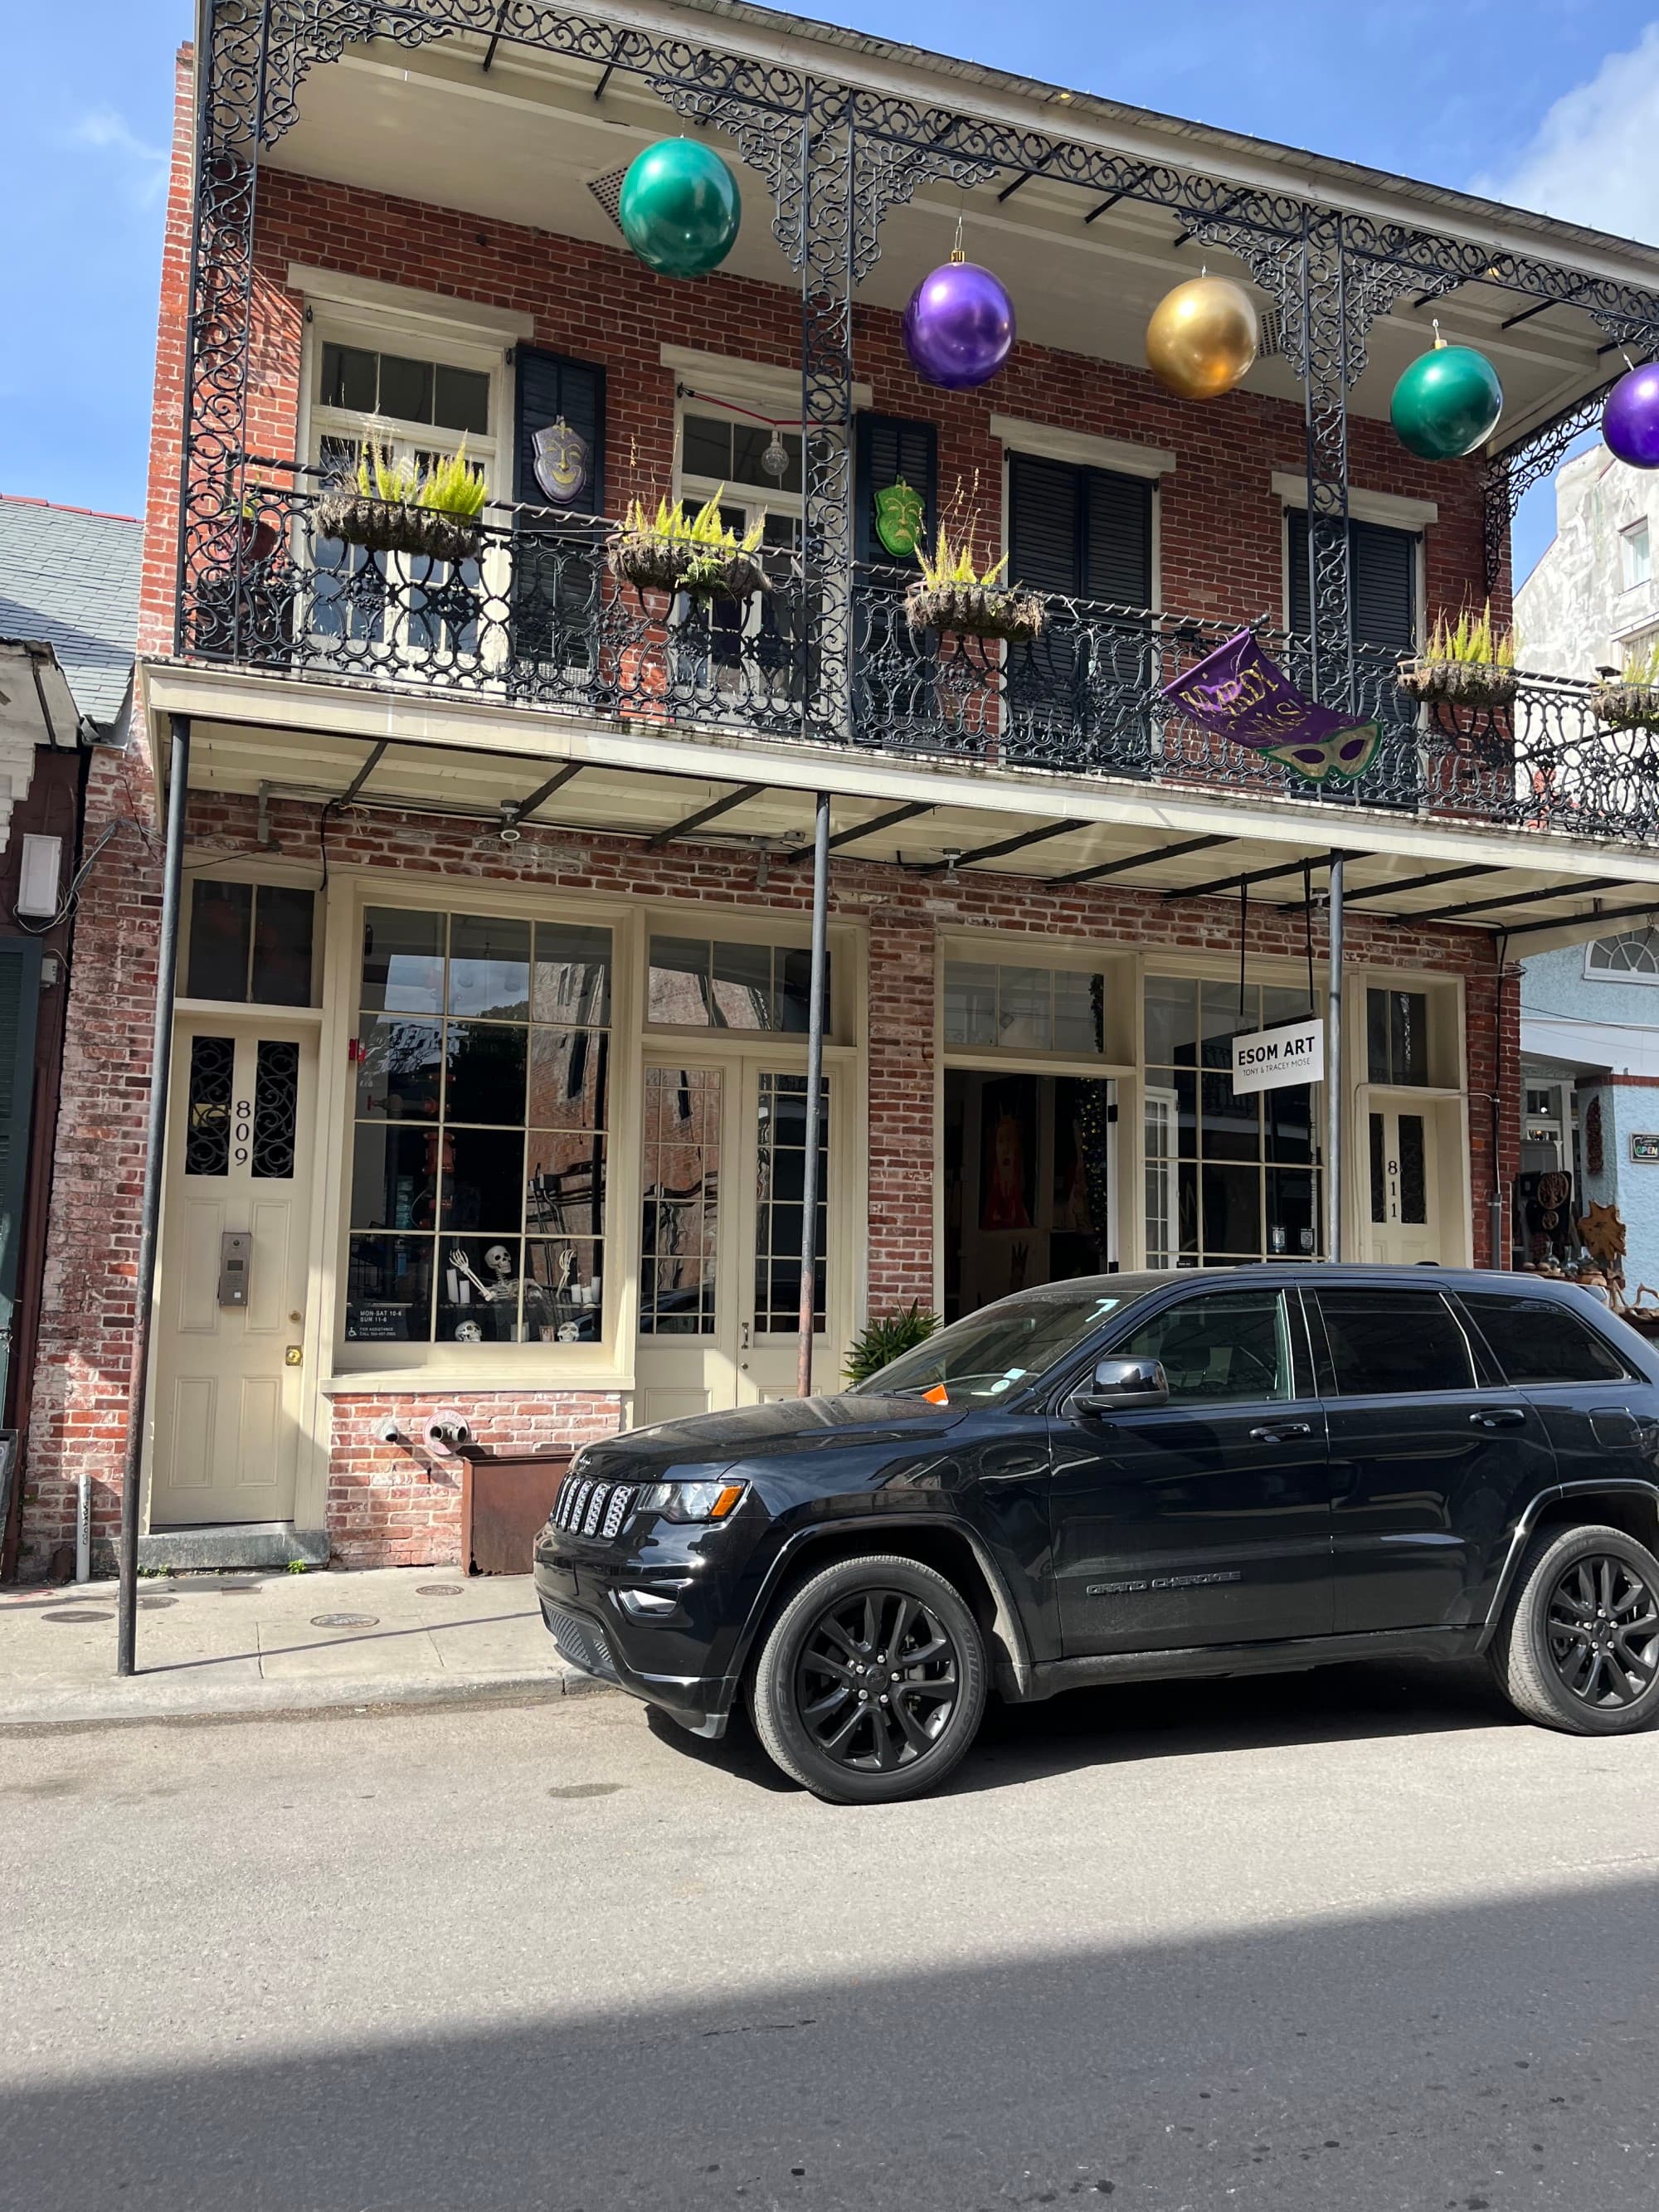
[[1238, 691]]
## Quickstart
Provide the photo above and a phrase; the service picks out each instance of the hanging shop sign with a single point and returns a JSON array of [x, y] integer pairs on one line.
[[1273, 1059], [1239, 693]]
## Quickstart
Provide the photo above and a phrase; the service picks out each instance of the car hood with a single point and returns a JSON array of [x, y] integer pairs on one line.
[[787, 1427]]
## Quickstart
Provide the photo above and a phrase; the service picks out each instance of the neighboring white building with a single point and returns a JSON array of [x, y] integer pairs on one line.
[[1594, 596]]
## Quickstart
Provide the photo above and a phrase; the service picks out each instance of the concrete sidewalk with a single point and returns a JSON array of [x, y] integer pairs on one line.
[[224, 1644]]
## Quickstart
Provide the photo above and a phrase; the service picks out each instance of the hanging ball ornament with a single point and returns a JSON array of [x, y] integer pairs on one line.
[[1203, 337], [959, 325], [679, 208], [1447, 403], [1630, 420]]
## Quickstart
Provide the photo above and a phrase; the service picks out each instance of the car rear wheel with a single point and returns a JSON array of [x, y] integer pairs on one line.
[[1579, 1646], [870, 1683]]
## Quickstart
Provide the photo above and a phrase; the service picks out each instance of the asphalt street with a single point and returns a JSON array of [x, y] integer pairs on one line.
[[1353, 1941]]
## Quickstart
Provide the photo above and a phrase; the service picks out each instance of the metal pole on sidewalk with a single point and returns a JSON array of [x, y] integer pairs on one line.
[[1333, 1070], [809, 1187], [166, 962]]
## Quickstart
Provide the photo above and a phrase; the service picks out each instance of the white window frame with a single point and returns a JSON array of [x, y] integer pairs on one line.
[[1594, 974], [1633, 575]]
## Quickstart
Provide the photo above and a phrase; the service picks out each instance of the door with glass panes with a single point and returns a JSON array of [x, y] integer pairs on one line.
[[1404, 1187], [722, 1168], [750, 647], [231, 1319]]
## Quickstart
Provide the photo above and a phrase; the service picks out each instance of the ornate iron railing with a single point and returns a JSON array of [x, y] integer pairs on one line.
[[535, 619]]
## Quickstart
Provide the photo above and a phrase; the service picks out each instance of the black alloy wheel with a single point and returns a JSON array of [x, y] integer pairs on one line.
[[1603, 1627], [870, 1683], [877, 1680]]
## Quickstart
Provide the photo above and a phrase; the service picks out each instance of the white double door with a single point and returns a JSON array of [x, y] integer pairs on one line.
[[230, 1316], [722, 1163], [1404, 1186]]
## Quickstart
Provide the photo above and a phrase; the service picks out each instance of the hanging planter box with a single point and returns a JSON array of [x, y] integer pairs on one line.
[[652, 563], [1625, 706], [975, 611], [1458, 684], [393, 525]]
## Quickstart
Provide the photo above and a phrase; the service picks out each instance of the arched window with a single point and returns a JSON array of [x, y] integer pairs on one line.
[[1635, 953]]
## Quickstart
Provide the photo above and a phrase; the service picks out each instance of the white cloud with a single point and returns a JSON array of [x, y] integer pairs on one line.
[[143, 167], [1591, 160]]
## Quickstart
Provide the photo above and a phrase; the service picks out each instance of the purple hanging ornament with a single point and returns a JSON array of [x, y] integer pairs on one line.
[[959, 325], [1630, 420]]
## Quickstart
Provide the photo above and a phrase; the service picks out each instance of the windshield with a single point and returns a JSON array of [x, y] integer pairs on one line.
[[999, 1350]]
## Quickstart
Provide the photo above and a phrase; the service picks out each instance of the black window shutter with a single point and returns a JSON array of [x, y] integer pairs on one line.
[[1383, 582], [1082, 531], [887, 447], [550, 386], [20, 992]]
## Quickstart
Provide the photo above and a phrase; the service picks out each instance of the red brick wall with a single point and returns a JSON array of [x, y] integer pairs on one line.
[[1221, 527], [382, 1506]]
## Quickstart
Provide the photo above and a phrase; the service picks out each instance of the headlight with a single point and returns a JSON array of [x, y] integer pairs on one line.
[[692, 1501]]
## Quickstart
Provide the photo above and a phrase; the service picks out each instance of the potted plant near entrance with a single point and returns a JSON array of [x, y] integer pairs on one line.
[[397, 507], [1628, 699], [699, 554], [956, 594], [885, 1337], [1468, 663]]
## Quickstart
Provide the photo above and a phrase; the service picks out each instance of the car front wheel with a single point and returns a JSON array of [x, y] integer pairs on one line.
[[1579, 1646], [870, 1683]]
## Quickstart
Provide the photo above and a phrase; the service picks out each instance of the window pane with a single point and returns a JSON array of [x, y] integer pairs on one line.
[[276, 1108], [1080, 1012], [779, 1191], [565, 1192], [562, 1290], [1232, 1201], [1414, 1172], [485, 1078], [1171, 1021], [1025, 1009], [1232, 1120], [793, 1000], [482, 1183], [1231, 1345], [707, 451], [349, 378], [220, 921], [1377, 1036], [970, 1003], [207, 1106], [480, 1287], [1224, 1019], [1408, 1036], [283, 924], [679, 987], [1292, 1216], [1289, 1116], [1379, 1169], [399, 1066], [403, 961], [490, 967], [1405, 1342], [567, 1069], [679, 1190], [461, 399], [572, 980], [743, 986], [1538, 1341], [389, 1289], [394, 1176], [406, 388]]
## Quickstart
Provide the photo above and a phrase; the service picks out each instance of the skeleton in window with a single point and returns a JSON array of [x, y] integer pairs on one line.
[[502, 1294]]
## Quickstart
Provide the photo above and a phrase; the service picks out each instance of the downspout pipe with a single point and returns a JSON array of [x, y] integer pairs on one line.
[[1333, 1078], [809, 1189], [150, 1216]]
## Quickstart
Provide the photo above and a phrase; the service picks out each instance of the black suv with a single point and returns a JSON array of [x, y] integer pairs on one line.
[[1136, 1475]]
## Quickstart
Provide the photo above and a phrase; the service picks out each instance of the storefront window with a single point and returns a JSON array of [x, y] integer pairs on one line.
[[477, 1186], [1024, 1009], [699, 983], [1228, 1178]]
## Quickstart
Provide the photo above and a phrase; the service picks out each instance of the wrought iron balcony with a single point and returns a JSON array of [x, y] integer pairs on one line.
[[533, 617]]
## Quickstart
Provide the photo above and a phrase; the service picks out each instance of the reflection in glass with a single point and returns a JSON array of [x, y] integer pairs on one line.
[[399, 1064], [485, 1078], [680, 989], [394, 1176], [403, 961], [565, 1192], [283, 924], [970, 1003], [679, 1200], [780, 1188], [488, 966], [572, 980], [221, 919], [567, 1069], [743, 987]]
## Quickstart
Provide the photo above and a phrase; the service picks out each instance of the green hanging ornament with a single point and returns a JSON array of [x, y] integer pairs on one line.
[[679, 208], [1447, 403]]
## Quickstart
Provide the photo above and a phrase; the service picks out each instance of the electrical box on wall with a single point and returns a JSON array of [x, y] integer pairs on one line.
[[235, 1249], [39, 869]]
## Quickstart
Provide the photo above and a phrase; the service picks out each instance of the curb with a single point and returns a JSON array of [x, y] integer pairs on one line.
[[144, 1704]]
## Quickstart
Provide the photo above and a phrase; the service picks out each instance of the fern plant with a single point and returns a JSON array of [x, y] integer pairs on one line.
[[1641, 670], [885, 1338], [381, 475], [453, 486], [952, 566], [1471, 641]]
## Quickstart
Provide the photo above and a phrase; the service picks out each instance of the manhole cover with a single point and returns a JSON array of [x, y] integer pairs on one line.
[[437, 1590], [345, 1619], [76, 1612]]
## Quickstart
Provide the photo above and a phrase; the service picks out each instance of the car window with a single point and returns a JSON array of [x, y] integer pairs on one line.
[[1226, 1344], [1000, 1348], [1404, 1342], [1536, 1340]]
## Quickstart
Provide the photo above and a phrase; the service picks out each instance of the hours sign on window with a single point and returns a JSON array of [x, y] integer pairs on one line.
[[1270, 1059]]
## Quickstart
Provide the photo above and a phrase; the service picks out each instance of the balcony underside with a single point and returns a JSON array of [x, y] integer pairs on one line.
[[559, 779]]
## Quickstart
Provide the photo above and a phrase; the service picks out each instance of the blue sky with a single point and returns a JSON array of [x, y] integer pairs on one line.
[[1555, 103]]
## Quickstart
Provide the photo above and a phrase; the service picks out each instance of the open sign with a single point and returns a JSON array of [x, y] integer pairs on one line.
[[1269, 1060]]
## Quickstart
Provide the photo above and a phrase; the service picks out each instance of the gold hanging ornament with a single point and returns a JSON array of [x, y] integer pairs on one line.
[[1203, 337]]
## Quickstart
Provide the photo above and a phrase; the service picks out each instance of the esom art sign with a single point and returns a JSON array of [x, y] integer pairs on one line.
[[1271, 1058]]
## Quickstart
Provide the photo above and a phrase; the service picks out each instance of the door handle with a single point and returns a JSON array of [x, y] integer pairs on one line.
[[1282, 1434], [1499, 1417]]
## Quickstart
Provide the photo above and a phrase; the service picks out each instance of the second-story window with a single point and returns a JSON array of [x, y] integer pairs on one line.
[[1635, 556], [756, 468]]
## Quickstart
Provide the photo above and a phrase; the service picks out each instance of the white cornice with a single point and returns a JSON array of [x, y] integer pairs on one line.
[[726, 376], [1081, 446], [1386, 507], [459, 316]]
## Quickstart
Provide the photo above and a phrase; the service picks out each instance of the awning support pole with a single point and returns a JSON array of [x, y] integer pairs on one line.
[[1333, 1070], [166, 962], [809, 1189]]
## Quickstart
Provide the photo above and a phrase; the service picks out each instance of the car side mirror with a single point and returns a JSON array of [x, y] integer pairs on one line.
[[1123, 1386]]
